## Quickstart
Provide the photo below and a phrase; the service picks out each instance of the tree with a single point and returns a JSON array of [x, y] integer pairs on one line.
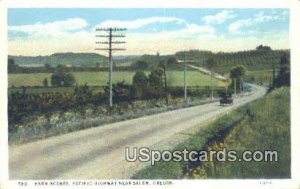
[[211, 63], [45, 82], [156, 78], [263, 48], [236, 74], [61, 77], [68, 80], [283, 77], [11, 66], [121, 92], [142, 65], [139, 84], [47, 66], [56, 80], [156, 84], [171, 60], [98, 65], [82, 97]]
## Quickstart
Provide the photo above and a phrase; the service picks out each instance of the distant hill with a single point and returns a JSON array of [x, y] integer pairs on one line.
[[71, 59]]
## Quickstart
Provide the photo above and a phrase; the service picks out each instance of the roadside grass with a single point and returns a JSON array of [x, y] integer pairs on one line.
[[174, 78], [266, 127]]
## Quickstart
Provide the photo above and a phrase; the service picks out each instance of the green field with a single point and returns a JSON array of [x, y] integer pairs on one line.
[[260, 77], [175, 78]]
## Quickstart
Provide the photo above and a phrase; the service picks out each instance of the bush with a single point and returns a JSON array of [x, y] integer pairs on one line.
[[61, 77]]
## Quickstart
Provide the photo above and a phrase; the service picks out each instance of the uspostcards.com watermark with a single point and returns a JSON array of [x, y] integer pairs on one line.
[[144, 154]]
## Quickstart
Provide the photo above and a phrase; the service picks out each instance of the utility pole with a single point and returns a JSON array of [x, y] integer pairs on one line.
[[234, 86], [241, 86], [273, 79], [166, 87], [110, 36], [185, 88], [183, 58], [227, 86], [211, 84]]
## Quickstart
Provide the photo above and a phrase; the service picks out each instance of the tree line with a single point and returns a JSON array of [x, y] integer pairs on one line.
[[145, 62], [14, 68]]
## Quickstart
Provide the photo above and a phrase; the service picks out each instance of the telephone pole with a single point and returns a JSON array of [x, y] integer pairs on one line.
[[182, 58], [110, 35], [234, 79], [184, 81]]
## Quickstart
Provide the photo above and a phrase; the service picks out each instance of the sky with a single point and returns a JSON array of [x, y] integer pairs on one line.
[[34, 32]]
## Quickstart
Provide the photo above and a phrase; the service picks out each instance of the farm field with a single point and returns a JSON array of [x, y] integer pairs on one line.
[[175, 78], [260, 77], [254, 60]]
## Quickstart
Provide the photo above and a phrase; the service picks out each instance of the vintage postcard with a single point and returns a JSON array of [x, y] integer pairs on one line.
[[149, 97]]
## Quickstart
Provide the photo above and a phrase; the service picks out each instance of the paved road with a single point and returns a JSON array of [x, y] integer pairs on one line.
[[98, 153]]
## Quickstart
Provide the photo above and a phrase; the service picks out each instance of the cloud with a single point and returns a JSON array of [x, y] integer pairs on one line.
[[262, 17], [138, 23], [51, 28], [258, 18], [194, 29], [47, 38], [168, 43], [73, 35], [235, 26], [219, 18]]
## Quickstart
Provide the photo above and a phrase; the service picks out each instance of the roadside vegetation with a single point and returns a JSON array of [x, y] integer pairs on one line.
[[266, 128]]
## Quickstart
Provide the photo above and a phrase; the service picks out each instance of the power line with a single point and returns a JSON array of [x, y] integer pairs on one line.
[[110, 36], [183, 59]]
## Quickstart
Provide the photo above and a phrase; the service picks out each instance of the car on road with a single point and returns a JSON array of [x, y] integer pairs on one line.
[[226, 100]]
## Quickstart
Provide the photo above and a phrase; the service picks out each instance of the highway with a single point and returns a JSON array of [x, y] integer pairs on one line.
[[98, 153]]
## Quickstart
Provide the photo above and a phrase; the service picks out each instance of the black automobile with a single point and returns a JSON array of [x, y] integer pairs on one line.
[[226, 99]]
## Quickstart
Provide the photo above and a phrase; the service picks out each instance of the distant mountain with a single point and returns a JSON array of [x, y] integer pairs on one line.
[[71, 59]]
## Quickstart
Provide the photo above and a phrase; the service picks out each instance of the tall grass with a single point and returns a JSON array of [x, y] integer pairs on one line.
[[267, 128]]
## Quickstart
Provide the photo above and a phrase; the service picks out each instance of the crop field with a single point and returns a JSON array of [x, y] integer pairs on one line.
[[174, 78], [260, 77], [253, 60]]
